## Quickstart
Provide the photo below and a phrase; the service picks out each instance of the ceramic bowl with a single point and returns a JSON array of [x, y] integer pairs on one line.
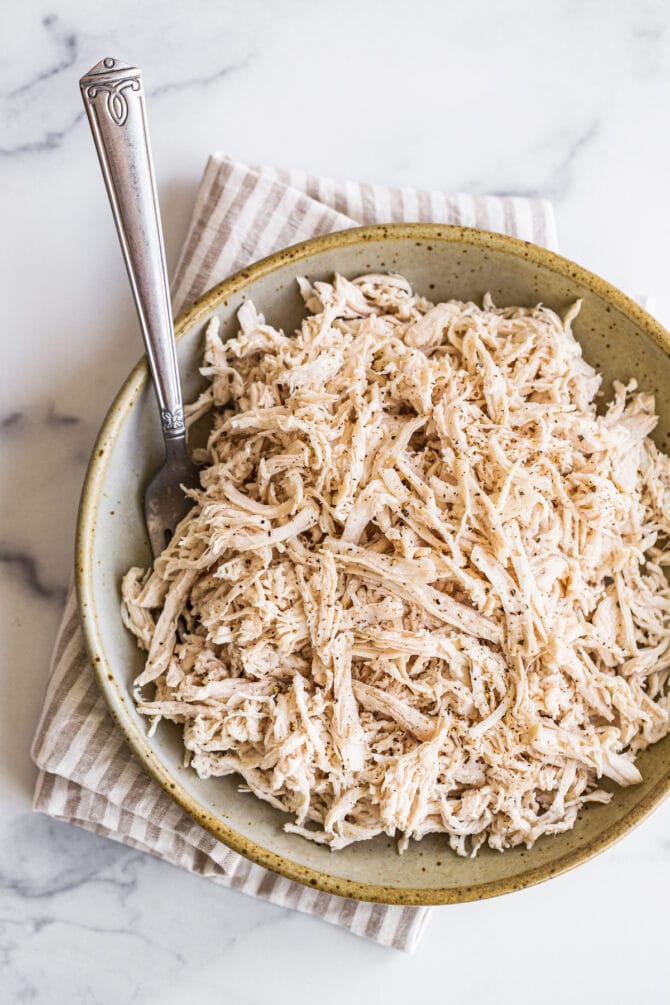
[[442, 262]]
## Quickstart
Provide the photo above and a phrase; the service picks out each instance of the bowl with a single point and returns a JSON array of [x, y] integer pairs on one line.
[[442, 262]]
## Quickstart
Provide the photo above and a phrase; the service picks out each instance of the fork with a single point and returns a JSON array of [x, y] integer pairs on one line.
[[113, 95]]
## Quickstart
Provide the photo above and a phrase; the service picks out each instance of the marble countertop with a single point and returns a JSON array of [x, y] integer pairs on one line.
[[571, 102]]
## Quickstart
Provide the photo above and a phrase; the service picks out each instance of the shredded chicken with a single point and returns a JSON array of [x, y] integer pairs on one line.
[[422, 586]]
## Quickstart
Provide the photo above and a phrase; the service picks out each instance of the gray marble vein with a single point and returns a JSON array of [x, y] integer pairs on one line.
[[178, 86], [25, 566], [65, 42], [12, 421]]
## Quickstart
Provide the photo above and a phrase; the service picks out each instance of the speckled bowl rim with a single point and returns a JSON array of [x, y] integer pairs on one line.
[[91, 499]]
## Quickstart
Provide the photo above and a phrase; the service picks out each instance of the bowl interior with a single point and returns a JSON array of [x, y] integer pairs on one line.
[[441, 263]]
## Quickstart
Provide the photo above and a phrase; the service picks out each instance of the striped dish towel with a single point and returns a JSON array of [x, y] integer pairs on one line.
[[88, 775]]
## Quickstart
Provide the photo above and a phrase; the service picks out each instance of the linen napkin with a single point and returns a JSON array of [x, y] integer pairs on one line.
[[87, 774]]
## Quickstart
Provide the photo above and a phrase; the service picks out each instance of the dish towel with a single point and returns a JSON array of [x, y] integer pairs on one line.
[[87, 774]]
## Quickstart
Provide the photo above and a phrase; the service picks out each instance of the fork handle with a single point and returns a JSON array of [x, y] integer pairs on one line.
[[113, 96]]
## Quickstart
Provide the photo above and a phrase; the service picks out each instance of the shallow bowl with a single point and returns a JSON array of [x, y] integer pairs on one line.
[[442, 262]]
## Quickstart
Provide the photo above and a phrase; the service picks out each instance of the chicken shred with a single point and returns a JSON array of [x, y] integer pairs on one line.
[[422, 587]]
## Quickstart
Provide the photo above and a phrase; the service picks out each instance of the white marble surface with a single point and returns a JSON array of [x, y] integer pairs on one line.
[[570, 101]]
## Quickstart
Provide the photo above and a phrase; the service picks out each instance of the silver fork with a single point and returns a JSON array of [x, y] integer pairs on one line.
[[113, 96]]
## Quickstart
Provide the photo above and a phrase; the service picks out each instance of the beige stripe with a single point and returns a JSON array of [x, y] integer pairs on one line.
[[294, 224], [57, 741], [72, 802], [219, 181], [309, 223], [285, 211], [68, 626], [389, 925], [129, 785], [201, 211], [346, 911], [109, 747], [340, 203], [105, 773], [438, 208], [58, 795], [322, 903], [233, 188], [425, 207], [374, 922], [243, 870], [64, 655], [65, 676], [323, 222], [300, 896], [267, 885], [321, 189], [539, 224], [397, 210], [124, 786], [518, 219], [550, 225], [43, 791], [481, 214], [219, 236], [407, 920], [71, 748], [508, 214], [264, 224], [496, 214], [143, 792]]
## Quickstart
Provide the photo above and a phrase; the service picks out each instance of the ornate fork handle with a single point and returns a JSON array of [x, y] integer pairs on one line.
[[113, 96]]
